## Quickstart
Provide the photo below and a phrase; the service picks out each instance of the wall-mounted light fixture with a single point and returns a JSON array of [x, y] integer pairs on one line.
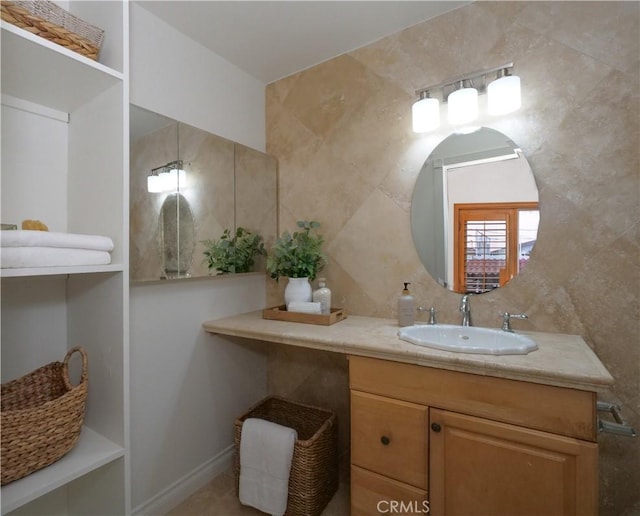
[[426, 113], [167, 178], [461, 95]]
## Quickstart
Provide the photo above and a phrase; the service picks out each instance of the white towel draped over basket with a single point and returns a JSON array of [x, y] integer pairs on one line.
[[28, 248], [266, 452]]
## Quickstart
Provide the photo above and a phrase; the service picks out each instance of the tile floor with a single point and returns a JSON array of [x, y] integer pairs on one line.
[[218, 498]]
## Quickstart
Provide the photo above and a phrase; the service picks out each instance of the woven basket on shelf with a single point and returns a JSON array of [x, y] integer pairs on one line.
[[313, 479], [50, 21], [42, 415]]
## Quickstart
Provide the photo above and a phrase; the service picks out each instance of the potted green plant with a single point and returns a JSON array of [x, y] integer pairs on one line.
[[298, 257], [233, 253]]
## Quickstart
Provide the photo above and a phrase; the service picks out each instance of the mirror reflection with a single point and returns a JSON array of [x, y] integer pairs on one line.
[[205, 182], [176, 236], [474, 212]]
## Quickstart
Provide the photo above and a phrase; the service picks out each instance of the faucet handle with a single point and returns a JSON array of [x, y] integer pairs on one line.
[[506, 320], [432, 313]]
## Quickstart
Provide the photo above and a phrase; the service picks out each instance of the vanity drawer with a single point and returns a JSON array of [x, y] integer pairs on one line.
[[374, 494], [559, 410], [389, 437]]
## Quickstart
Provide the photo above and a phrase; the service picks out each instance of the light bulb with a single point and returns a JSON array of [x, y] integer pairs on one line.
[[168, 183], [462, 106], [504, 95], [154, 184], [426, 115]]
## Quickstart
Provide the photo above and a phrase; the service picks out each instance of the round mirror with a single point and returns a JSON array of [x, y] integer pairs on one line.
[[176, 236], [474, 212]]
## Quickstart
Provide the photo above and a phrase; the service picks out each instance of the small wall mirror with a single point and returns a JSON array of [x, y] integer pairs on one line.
[[474, 212], [187, 186], [176, 236]]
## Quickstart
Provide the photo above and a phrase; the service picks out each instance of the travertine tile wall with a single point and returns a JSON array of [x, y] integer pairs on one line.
[[341, 132]]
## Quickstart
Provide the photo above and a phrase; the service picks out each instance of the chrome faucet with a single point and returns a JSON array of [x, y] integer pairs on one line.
[[465, 308]]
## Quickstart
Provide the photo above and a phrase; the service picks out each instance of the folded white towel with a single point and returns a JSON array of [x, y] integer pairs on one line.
[[18, 257], [266, 451], [304, 307], [30, 238]]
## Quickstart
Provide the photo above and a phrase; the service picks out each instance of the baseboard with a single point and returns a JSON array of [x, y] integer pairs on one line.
[[184, 487]]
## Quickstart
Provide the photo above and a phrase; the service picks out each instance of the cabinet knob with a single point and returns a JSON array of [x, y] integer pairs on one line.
[[435, 427], [385, 440]]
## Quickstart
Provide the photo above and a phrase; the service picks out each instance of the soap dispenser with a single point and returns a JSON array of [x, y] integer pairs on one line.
[[323, 296], [406, 307]]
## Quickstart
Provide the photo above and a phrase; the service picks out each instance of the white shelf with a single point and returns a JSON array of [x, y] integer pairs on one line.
[[91, 452], [48, 74], [57, 271]]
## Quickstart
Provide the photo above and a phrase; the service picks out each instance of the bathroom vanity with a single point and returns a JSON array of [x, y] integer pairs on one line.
[[469, 443], [459, 433]]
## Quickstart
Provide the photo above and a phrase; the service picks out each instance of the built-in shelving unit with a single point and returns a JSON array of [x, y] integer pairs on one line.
[[56, 77], [91, 452], [55, 271], [65, 161]]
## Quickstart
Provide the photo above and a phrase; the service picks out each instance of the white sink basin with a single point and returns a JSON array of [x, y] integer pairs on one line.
[[468, 339]]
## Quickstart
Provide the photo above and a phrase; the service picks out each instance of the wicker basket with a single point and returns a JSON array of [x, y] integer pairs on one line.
[[50, 21], [314, 469], [42, 415]]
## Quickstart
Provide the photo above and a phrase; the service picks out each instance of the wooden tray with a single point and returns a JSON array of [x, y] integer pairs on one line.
[[280, 313]]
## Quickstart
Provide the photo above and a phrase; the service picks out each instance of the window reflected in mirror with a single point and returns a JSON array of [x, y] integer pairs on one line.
[[493, 243]]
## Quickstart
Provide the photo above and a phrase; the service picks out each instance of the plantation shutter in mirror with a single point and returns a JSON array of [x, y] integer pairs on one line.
[[485, 255]]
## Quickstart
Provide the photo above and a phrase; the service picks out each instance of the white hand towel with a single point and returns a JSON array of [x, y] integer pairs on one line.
[[18, 257], [30, 238], [308, 308], [266, 451]]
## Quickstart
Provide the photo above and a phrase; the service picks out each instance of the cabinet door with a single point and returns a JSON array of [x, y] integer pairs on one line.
[[389, 437], [374, 494], [480, 467]]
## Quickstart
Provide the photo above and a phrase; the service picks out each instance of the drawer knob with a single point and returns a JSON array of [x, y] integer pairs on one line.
[[435, 427], [385, 440]]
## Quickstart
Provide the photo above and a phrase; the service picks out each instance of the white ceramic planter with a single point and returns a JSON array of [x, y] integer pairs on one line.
[[297, 289]]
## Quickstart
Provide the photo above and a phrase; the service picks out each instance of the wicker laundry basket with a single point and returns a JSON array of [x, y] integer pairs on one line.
[[314, 468], [42, 415], [52, 22]]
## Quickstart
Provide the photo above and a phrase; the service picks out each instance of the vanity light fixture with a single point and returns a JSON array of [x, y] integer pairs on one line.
[[154, 183], [462, 105], [426, 113], [167, 178], [503, 94], [461, 95]]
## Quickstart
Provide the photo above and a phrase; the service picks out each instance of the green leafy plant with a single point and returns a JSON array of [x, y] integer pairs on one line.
[[297, 255], [233, 253]]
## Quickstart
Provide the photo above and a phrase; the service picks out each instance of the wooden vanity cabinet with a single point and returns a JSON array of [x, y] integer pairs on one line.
[[469, 444]]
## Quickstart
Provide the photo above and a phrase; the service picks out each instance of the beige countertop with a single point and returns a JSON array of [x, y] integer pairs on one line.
[[560, 360]]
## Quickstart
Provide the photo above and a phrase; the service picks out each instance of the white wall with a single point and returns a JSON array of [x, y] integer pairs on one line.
[[187, 386], [179, 78], [27, 193]]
